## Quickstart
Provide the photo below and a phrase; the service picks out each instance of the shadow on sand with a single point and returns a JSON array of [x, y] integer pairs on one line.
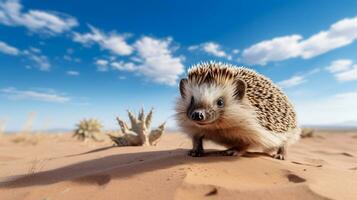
[[101, 170]]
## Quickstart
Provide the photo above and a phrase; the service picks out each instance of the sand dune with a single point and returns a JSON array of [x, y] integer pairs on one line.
[[58, 167]]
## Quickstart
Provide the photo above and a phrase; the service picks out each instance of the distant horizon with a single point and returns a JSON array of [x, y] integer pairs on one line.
[[326, 127]]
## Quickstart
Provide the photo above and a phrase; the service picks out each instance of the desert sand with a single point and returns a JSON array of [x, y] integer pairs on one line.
[[53, 167]]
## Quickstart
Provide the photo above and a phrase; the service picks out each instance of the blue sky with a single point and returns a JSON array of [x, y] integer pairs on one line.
[[62, 61]]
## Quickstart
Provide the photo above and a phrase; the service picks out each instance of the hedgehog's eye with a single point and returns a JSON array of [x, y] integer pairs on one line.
[[192, 100], [220, 102]]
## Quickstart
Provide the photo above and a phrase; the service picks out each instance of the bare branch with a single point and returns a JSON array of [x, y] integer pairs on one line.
[[139, 133], [141, 115], [123, 125], [148, 119], [132, 118], [156, 134]]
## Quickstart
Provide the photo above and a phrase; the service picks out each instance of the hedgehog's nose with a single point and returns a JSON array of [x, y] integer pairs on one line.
[[197, 116]]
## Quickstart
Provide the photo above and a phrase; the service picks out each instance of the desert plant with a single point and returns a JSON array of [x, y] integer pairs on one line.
[[2, 126], [307, 133], [89, 129], [26, 138], [31, 118], [140, 132]]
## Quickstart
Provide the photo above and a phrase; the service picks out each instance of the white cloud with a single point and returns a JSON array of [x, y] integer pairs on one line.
[[12, 14], [349, 75], [49, 96], [235, 51], [35, 50], [70, 58], [293, 81], [123, 66], [157, 61], [212, 48], [340, 34], [41, 61], [336, 109], [33, 54], [314, 71], [112, 41], [297, 79], [102, 65], [340, 65], [72, 73], [343, 70], [277, 49], [153, 59], [7, 49]]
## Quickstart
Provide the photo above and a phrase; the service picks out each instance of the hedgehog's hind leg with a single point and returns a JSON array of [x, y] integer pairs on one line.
[[197, 149], [281, 153]]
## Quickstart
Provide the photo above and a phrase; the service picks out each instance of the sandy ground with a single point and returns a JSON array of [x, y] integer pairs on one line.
[[59, 167]]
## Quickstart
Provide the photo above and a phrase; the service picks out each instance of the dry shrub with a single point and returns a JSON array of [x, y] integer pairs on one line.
[[140, 132], [89, 129], [307, 133]]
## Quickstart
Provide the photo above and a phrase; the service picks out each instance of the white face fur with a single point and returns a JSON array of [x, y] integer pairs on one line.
[[209, 105]]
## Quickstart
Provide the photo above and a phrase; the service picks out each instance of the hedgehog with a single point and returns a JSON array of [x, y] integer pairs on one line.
[[235, 107]]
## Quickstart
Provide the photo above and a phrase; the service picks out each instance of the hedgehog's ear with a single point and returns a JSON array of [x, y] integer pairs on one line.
[[239, 90], [183, 84]]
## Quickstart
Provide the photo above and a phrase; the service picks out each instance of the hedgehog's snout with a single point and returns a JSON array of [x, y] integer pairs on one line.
[[198, 115]]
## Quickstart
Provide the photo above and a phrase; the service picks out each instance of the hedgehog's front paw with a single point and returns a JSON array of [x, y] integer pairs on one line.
[[279, 156], [196, 153]]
